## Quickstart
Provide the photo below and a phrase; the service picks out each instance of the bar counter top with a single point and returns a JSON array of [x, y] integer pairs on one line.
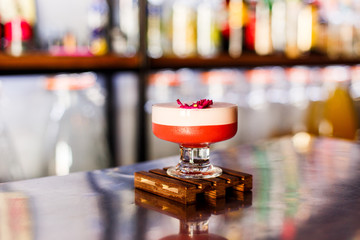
[[303, 188]]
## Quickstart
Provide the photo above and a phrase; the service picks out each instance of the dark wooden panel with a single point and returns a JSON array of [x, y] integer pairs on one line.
[[247, 60], [44, 62]]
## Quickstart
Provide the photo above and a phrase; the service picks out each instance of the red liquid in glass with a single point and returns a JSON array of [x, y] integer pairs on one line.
[[193, 136]]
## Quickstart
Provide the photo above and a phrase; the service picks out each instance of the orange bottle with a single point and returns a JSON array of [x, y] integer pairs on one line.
[[339, 117]]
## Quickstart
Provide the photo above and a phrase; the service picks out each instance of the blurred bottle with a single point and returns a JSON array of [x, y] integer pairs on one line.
[[316, 95], [298, 78], [341, 19], [339, 118], [260, 120], [98, 19], [321, 25], [167, 27], [19, 18], [228, 85], [299, 21], [356, 19], [208, 31], [223, 18], [355, 93], [236, 15], [347, 28], [127, 108], [223, 85], [184, 28], [333, 19], [75, 134], [263, 45], [279, 87], [125, 33], [18, 35], [293, 8], [190, 88], [70, 44], [278, 25], [259, 79], [170, 85], [279, 102], [163, 86], [1, 35], [10, 168], [250, 25], [154, 34], [306, 26]]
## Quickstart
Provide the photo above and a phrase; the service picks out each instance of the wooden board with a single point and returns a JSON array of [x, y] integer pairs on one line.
[[188, 191]]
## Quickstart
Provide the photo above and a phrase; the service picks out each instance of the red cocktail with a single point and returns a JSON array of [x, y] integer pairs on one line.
[[194, 130]]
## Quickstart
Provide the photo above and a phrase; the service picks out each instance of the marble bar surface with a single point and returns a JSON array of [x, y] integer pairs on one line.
[[303, 188]]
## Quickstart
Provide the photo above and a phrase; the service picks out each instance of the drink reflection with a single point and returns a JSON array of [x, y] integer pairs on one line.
[[194, 219]]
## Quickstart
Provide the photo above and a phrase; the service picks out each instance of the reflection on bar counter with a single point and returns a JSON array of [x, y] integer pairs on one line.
[[272, 101]]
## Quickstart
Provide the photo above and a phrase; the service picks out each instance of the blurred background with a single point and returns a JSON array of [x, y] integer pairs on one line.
[[77, 79]]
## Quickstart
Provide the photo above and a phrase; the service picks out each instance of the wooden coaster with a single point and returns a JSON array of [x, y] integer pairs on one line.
[[187, 191]]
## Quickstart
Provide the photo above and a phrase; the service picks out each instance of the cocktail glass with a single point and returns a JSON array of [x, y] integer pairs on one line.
[[194, 130]]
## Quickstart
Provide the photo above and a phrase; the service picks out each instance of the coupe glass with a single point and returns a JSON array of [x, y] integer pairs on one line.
[[194, 130]]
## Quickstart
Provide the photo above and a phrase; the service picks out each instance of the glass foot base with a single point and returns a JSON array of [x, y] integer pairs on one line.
[[195, 172]]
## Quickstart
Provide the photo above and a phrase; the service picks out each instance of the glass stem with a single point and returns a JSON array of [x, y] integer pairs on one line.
[[194, 163], [194, 157]]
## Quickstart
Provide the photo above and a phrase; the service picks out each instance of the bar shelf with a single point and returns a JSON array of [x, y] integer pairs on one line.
[[44, 62], [247, 60]]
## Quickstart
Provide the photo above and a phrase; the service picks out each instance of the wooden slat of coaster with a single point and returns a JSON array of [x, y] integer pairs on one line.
[[230, 179], [235, 182], [217, 182], [246, 178], [220, 189], [167, 187]]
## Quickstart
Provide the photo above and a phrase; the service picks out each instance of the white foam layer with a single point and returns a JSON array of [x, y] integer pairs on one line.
[[172, 115]]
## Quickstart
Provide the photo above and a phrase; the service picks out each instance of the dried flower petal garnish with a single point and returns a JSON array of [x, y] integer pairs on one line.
[[203, 103]]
